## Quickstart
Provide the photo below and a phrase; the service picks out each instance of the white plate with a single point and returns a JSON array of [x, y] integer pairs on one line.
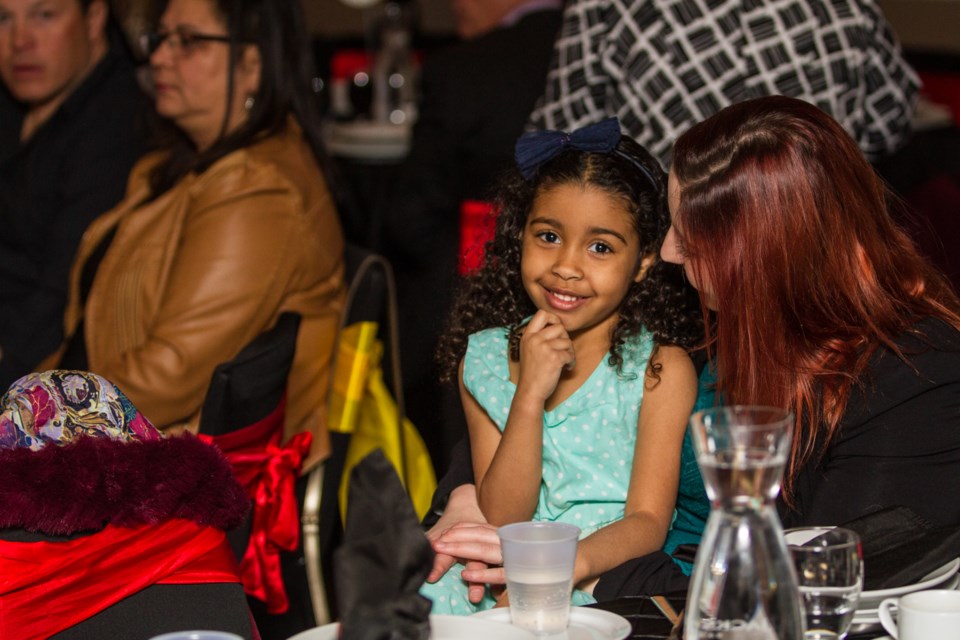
[[871, 599], [872, 616], [585, 623], [441, 628]]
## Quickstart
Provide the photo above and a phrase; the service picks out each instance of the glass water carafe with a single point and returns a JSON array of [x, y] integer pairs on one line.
[[743, 585]]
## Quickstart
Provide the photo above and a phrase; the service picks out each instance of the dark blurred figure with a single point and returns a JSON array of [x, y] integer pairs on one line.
[[926, 174], [71, 127], [476, 97]]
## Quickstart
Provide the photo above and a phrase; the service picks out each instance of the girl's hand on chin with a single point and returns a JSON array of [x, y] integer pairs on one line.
[[545, 351]]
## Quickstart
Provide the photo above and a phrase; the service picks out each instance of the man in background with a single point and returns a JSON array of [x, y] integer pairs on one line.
[[664, 65], [476, 96], [71, 127]]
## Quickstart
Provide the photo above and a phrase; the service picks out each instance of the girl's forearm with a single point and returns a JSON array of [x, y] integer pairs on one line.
[[510, 489], [633, 536]]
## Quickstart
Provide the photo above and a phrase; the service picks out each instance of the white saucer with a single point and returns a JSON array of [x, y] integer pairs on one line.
[[871, 599], [585, 623], [442, 627]]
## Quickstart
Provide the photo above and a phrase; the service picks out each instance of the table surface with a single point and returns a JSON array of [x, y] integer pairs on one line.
[[649, 623]]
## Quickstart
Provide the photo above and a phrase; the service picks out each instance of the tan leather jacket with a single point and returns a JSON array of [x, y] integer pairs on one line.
[[193, 276]]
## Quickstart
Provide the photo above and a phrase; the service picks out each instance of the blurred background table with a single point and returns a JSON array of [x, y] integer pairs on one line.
[[373, 142], [367, 156]]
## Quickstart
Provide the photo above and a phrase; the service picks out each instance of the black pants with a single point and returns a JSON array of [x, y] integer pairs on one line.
[[649, 575]]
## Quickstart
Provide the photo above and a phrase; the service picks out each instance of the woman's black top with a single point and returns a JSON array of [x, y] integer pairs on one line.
[[898, 442]]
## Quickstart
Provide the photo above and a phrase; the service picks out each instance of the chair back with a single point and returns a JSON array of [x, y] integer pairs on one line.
[[249, 387], [144, 613], [371, 296], [243, 414]]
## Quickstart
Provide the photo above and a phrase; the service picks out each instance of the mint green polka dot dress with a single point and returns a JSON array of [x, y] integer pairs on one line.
[[588, 443]]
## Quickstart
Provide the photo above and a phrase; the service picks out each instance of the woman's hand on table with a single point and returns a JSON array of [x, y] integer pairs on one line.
[[478, 547], [462, 534], [479, 544]]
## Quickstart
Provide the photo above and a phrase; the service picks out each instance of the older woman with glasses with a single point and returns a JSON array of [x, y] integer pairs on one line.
[[228, 226]]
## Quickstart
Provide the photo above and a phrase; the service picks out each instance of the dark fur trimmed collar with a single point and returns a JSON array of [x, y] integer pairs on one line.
[[85, 485]]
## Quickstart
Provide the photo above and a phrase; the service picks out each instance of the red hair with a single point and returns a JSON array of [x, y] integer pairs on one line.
[[784, 217]]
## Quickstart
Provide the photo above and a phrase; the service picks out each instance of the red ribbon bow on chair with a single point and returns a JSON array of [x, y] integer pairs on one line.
[[268, 471]]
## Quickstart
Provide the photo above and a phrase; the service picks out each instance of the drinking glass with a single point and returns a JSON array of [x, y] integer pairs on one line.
[[829, 567], [538, 559]]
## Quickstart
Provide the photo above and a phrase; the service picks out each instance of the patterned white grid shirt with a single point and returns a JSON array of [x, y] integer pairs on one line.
[[664, 65]]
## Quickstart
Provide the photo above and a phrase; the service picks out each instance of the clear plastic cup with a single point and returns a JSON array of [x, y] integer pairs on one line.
[[538, 558]]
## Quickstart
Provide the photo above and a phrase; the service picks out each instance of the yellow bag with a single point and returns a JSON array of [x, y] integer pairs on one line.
[[362, 406]]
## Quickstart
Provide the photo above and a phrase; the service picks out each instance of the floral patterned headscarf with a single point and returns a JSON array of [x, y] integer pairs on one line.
[[60, 406]]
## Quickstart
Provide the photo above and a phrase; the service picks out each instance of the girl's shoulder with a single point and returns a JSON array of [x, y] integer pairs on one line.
[[487, 354], [494, 335]]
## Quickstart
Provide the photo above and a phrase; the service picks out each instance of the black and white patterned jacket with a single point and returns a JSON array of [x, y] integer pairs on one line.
[[664, 65]]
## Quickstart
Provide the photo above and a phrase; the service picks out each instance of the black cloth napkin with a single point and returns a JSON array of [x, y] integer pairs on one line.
[[384, 559], [899, 547]]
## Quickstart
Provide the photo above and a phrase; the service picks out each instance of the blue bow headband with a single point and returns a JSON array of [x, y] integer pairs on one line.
[[537, 147]]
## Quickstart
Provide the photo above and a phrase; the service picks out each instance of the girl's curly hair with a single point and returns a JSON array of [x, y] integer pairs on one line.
[[493, 296]]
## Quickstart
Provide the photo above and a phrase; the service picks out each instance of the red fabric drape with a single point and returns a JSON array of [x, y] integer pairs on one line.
[[478, 221], [46, 587], [268, 471]]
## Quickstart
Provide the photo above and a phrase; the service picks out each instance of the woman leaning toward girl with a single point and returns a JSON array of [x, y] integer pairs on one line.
[[569, 345]]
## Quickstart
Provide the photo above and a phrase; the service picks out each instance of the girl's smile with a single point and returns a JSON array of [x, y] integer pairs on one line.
[[563, 301], [580, 256]]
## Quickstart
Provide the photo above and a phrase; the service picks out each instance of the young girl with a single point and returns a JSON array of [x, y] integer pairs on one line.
[[570, 323]]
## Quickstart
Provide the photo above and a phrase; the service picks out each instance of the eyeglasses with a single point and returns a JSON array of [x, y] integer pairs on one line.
[[182, 42]]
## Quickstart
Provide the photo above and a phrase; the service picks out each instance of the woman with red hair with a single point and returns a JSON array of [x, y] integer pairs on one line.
[[816, 301]]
